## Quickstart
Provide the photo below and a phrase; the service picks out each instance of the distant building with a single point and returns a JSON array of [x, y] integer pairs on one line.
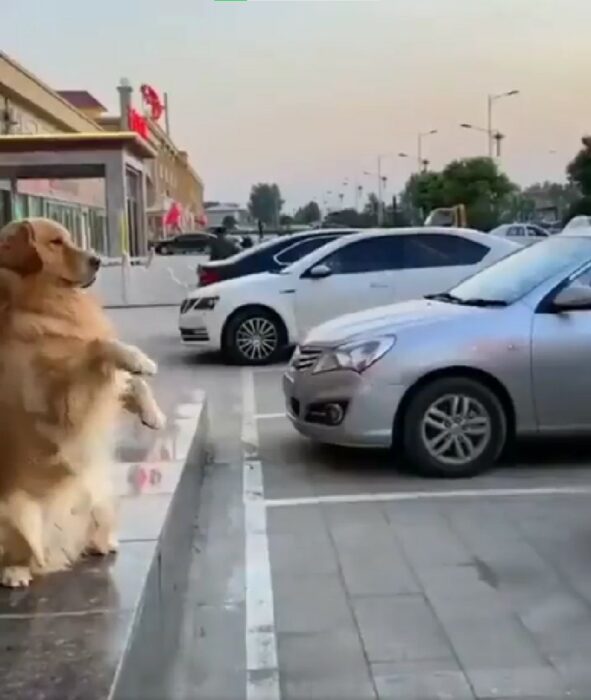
[[216, 213], [154, 180]]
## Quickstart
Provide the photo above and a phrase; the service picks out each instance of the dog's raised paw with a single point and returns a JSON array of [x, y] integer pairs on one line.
[[16, 577], [133, 360], [154, 418]]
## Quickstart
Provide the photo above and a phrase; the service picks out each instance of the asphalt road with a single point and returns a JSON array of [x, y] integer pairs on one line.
[[328, 573]]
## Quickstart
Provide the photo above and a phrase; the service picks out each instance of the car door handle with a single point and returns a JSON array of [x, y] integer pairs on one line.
[[377, 285]]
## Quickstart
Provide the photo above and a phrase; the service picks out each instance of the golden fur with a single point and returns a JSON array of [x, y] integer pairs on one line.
[[63, 380]]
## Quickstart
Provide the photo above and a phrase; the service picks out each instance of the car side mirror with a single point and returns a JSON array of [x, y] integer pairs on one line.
[[319, 272], [572, 298]]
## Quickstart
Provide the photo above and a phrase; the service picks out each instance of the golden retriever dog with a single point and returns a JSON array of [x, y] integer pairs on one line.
[[64, 377]]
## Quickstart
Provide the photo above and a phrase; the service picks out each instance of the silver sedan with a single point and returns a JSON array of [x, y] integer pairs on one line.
[[452, 377]]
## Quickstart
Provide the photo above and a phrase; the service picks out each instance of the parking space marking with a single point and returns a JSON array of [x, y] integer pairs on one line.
[[262, 671], [429, 495], [270, 416]]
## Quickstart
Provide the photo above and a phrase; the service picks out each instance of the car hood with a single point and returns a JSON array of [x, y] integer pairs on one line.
[[266, 280], [384, 320]]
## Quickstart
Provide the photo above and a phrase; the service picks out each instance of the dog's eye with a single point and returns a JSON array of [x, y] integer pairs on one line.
[[57, 241]]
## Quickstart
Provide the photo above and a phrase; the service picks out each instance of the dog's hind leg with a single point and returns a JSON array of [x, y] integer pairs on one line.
[[137, 398], [22, 546]]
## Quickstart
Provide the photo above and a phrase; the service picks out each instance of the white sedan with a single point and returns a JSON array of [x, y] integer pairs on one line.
[[524, 234], [253, 319]]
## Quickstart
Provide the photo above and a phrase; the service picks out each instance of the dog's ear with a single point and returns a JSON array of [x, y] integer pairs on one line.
[[18, 251]]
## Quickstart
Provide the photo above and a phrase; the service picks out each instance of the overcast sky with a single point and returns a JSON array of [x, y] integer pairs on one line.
[[308, 93]]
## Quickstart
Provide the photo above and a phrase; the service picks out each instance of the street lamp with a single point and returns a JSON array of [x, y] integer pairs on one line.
[[491, 100], [382, 181], [495, 136], [420, 138]]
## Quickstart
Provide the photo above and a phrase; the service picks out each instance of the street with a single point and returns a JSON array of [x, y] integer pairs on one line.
[[329, 573]]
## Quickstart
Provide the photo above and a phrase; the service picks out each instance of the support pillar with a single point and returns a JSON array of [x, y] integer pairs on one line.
[[116, 200]]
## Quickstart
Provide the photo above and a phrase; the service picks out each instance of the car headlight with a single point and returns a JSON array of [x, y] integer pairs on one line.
[[206, 303], [356, 355]]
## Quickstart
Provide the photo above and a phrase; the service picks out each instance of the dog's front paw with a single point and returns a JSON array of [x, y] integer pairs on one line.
[[132, 359], [153, 418], [16, 577]]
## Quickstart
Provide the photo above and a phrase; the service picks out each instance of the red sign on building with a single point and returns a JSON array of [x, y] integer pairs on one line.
[[138, 123]]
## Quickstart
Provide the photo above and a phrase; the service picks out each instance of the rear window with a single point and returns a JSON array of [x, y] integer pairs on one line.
[[299, 250]]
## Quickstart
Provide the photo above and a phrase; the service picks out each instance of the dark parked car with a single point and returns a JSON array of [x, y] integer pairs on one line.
[[270, 256], [184, 244]]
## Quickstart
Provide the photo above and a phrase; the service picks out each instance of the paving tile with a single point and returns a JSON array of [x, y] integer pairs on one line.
[[400, 628], [487, 638], [371, 559], [310, 603], [323, 666], [298, 554], [560, 624], [421, 680], [303, 520], [528, 683]]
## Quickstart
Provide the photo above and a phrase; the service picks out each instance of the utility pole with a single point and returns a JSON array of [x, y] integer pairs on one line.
[[380, 205]]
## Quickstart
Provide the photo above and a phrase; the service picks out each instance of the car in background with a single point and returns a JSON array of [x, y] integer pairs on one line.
[[524, 234], [579, 225], [254, 319], [185, 244], [270, 256], [451, 378]]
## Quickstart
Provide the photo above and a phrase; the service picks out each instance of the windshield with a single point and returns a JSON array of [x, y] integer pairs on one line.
[[518, 274]]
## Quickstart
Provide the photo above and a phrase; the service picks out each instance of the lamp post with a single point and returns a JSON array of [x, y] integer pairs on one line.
[[382, 181], [420, 137], [490, 102], [493, 137]]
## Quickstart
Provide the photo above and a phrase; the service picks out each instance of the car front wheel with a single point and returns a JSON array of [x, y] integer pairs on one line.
[[254, 337], [454, 427]]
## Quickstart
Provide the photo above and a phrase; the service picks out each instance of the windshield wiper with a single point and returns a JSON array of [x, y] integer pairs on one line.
[[444, 296], [452, 299], [482, 302]]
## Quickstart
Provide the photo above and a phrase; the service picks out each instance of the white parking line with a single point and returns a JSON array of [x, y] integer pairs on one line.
[[429, 495], [270, 416], [262, 672]]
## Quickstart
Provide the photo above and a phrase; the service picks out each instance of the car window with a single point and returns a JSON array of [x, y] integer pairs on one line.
[[537, 232], [515, 231], [441, 250], [373, 254], [298, 250]]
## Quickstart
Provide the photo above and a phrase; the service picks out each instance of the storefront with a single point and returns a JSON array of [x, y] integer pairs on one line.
[[117, 159]]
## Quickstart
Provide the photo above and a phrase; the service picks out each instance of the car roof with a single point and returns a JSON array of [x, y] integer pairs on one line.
[[471, 234]]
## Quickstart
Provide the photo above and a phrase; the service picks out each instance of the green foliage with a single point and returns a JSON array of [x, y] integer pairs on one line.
[[308, 214], [265, 202], [229, 222], [475, 182]]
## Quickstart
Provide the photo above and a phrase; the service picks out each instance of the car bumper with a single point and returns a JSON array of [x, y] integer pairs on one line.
[[196, 329], [369, 407]]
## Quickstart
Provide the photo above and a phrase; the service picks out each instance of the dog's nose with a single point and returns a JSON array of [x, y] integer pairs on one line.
[[94, 262]]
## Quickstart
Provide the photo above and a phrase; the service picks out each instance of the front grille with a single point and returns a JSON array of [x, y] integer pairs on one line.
[[306, 357], [187, 305], [195, 334]]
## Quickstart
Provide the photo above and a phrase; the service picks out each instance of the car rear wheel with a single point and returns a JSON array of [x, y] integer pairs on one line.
[[454, 427], [254, 337]]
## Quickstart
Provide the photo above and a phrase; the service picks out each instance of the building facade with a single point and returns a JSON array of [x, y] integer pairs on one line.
[[219, 212], [30, 107]]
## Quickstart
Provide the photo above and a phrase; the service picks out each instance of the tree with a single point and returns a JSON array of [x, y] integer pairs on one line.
[[229, 221], [475, 182], [286, 220], [579, 169], [265, 203], [308, 214]]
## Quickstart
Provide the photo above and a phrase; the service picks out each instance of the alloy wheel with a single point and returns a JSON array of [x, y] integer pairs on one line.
[[456, 429], [257, 338]]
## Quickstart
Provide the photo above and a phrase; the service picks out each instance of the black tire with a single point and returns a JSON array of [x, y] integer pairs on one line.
[[235, 346], [487, 415]]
